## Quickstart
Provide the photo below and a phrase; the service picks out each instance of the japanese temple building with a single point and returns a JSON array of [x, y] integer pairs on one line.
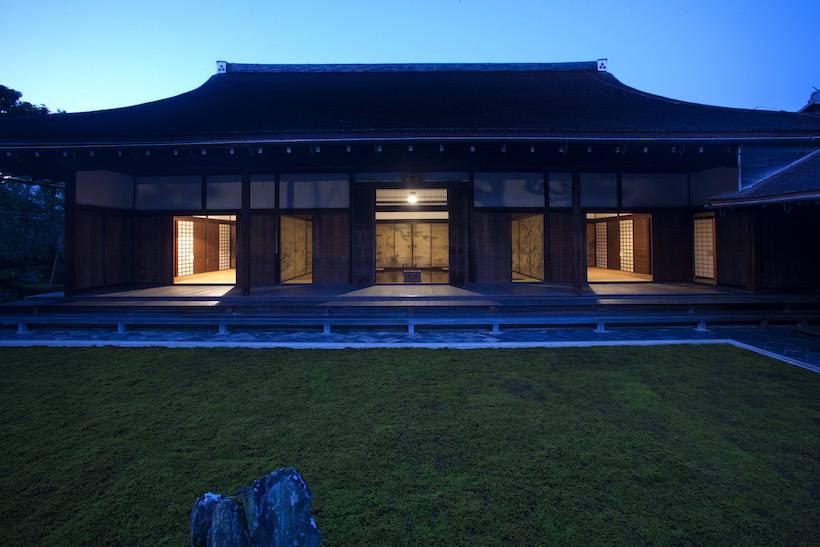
[[456, 174]]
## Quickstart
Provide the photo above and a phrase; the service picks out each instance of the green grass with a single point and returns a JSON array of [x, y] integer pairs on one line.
[[686, 445]]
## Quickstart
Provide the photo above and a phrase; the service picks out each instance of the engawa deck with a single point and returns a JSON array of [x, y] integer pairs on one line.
[[492, 306]]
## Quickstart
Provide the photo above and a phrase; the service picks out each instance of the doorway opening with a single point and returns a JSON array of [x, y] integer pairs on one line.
[[412, 236], [619, 247], [205, 249]]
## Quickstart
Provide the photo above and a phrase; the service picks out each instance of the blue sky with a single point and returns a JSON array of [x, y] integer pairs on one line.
[[91, 55]]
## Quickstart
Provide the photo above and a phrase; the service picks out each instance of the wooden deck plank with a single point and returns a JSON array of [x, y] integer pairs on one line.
[[509, 296]]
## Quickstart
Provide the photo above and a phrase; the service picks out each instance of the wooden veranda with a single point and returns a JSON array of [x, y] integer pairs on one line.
[[494, 306]]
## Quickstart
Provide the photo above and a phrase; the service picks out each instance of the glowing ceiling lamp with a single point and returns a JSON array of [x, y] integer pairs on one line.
[[412, 198]]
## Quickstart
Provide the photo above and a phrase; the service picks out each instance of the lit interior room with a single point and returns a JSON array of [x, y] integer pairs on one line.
[[205, 249], [412, 235], [619, 247]]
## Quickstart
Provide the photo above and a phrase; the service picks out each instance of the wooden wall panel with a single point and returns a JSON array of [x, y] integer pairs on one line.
[[331, 247], [561, 247], [89, 255], [492, 247], [642, 243], [233, 245], [733, 247], [200, 233], [119, 249], [212, 246], [591, 249], [263, 247], [672, 239], [810, 227], [782, 259], [788, 248], [613, 244], [153, 249]]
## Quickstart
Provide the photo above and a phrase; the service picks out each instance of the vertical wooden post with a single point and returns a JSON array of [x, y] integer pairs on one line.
[[467, 262], [69, 237], [277, 238], [459, 259], [243, 270], [579, 269], [363, 229]]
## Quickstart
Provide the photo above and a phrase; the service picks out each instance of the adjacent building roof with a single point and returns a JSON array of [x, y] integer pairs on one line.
[[813, 106], [279, 103], [797, 181]]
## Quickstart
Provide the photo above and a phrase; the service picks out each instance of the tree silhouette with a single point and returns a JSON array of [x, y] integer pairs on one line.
[[11, 105], [31, 211]]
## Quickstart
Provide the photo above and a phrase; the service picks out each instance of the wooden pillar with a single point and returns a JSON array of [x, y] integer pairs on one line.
[[69, 236], [277, 238], [546, 232], [579, 269], [460, 259], [243, 270], [363, 239]]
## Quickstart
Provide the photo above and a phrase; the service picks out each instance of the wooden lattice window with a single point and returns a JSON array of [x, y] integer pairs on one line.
[[224, 246], [600, 244], [705, 247], [185, 247], [627, 246]]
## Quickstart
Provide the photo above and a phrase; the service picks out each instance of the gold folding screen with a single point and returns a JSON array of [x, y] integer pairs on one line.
[[412, 245]]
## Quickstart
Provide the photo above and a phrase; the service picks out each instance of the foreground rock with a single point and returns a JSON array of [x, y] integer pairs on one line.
[[274, 511]]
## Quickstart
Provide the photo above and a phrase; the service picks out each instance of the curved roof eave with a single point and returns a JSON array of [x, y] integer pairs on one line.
[[796, 197], [797, 181], [388, 102], [228, 140]]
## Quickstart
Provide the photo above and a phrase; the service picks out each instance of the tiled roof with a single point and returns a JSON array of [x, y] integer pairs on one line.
[[269, 103], [797, 181]]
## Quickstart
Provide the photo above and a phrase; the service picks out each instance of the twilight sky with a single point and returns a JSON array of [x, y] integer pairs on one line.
[[91, 55]]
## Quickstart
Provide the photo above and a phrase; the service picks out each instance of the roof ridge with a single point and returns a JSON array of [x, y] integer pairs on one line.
[[223, 66]]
